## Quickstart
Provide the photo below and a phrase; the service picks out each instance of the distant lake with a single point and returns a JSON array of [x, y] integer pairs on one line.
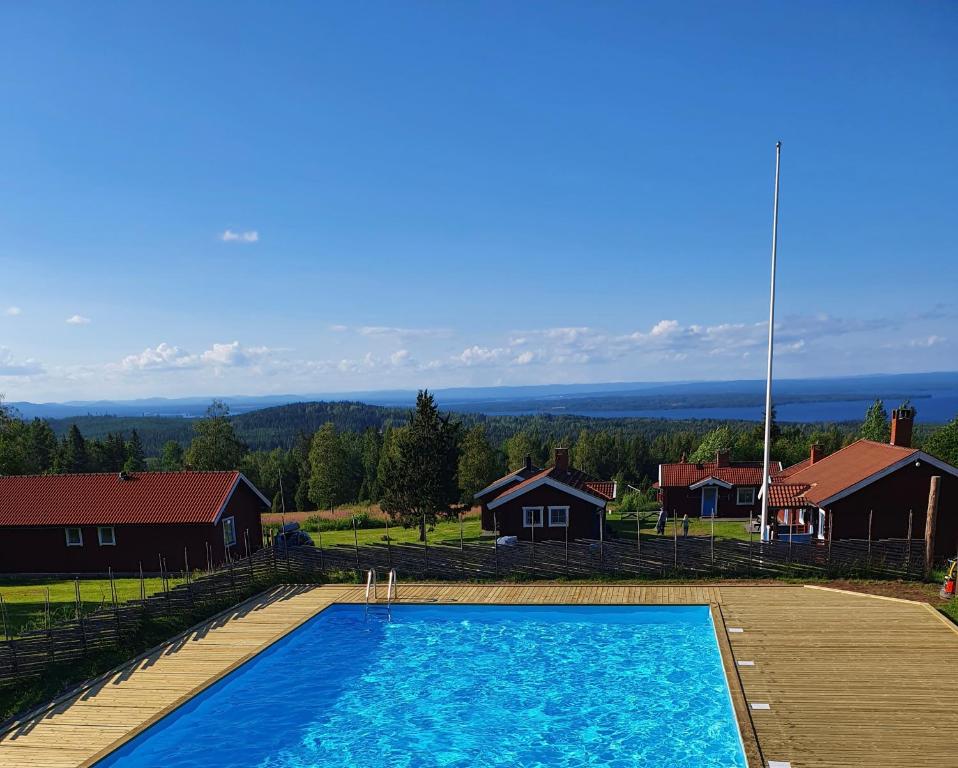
[[931, 410]]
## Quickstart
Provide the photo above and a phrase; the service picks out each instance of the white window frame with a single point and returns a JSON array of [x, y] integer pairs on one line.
[[565, 518], [79, 541], [738, 496], [229, 524], [821, 524], [537, 514], [99, 535]]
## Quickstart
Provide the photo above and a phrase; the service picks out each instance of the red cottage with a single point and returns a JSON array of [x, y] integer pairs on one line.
[[720, 488], [889, 481], [88, 523], [546, 503]]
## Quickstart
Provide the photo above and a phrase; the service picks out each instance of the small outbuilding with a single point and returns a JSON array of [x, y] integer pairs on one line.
[[551, 503], [87, 523]]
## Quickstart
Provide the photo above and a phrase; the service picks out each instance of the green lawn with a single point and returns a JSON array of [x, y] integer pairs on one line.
[[724, 529], [445, 532], [25, 599]]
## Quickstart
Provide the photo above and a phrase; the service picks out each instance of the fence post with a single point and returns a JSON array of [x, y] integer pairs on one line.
[[602, 536], [322, 552], [389, 544], [495, 541], [188, 576], [532, 550], [249, 557], [931, 521], [46, 611], [425, 549], [356, 544], [209, 558], [908, 545], [868, 559], [232, 580], [675, 541], [567, 545], [76, 587], [3, 615], [7, 634], [829, 540], [751, 535], [462, 552], [116, 608], [712, 542]]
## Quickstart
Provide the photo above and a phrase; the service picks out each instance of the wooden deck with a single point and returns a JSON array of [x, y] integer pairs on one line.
[[840, 679]]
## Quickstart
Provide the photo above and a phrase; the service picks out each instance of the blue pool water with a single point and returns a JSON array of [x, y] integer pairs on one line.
[[465, 686]]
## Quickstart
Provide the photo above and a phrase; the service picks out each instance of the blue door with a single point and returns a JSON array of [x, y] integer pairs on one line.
[[709, 501]]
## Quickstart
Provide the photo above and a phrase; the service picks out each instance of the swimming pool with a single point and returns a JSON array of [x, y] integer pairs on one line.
[[450, 686]]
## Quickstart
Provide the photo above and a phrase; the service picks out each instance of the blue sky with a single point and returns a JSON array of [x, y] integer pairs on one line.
[[220, 198]]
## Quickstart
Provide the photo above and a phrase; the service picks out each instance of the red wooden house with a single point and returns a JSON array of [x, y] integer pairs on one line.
[[720, 488], [888, 482], [546, 503], [92, 522]]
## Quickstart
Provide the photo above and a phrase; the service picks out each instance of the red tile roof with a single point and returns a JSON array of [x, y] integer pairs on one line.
[[847, 467], [104, 499], [793, 468], [684, 474], [787, 495], [603, 489]]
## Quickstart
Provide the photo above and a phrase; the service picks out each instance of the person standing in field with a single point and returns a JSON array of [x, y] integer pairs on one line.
[[660, 525], [685, 524]]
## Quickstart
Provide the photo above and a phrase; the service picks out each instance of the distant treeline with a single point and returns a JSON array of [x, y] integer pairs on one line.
[[324, 454]]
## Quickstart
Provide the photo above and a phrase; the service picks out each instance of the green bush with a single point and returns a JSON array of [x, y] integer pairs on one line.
[[316, 523]]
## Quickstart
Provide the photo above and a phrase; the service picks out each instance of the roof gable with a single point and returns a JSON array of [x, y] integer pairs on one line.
[[855, 466], [685, 474], [145, 498]]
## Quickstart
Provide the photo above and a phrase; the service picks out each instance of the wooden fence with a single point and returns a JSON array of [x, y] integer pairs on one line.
[[29, 655]]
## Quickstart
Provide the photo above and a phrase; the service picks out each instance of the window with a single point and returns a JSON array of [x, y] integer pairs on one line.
[[745, 497], [106, 535], [558, 517], [74, 537], [532, 517], [229, 531]]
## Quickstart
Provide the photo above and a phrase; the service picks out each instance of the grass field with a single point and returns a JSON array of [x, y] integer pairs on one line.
[[724, 529], [25, 599], [445, 532]]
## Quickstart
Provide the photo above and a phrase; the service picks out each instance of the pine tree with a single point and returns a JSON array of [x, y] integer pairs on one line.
[[419, 470], [171, 457], [72, 456], [135, 457], [478, 465], [875, 426], [216, 446], [329, 471]]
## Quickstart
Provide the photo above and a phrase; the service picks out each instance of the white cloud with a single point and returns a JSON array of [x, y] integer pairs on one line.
[[409, 333], [12, 367], [249, 236], [169, 357], [476, 355], [400, 357], [13, 311], [931, 341], [78, 320], [339, 328]]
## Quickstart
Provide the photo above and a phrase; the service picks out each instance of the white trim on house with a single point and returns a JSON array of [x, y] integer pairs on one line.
[[822, 517], [99, 535], [66, 534], [710, 480], [702, 505], [738, 496], [564, 523], [911, 458], [498, 483], [534, 523], [578, 493], [239, 477]]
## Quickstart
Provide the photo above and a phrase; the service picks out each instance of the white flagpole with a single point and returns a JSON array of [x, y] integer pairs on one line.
[[766, 466]]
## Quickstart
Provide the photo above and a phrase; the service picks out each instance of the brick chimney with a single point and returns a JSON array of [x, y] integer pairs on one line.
[[722, 458], [561, 459], [816, 453], [902, 422]]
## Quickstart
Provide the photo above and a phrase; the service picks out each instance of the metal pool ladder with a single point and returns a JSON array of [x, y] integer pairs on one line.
[[372, 590]]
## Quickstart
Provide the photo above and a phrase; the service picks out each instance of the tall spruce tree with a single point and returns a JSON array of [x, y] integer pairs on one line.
[[329, 469], [135, 456], [875, 426], [72, 456], [171, 457], [419, 470]]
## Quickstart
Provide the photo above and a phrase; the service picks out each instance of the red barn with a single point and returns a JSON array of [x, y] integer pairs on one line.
[[546, 503], [90, 522]]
